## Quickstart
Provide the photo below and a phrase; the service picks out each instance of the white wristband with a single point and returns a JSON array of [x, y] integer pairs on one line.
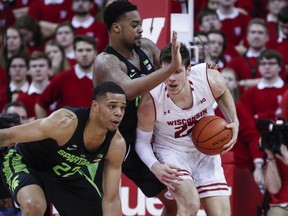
[[143, 147]]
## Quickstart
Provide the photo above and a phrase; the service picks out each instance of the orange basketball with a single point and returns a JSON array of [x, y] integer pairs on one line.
[[209, 135]]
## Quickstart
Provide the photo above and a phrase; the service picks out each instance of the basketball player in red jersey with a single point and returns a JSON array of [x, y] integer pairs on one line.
[[168, 114]]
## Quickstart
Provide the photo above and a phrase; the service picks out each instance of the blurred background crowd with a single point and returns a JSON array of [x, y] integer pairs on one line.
[[47, 50]]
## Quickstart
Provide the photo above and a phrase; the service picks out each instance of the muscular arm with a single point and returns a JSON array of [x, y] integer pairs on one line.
[[166, 173], [111, 203], [58, 126], [109, 68], [226, 104]]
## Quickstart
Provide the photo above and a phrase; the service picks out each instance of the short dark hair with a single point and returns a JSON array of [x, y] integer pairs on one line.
[[40, 55], [283, 15], [165, 54], [14, 104], [66, 23], [86, 39], [258, 21], [106, 87], [221, 33], [115, 10], [20, 56], [204, 13], [269, 54]]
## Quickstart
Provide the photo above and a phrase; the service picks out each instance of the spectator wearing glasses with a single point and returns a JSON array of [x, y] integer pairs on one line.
[[262, 101]]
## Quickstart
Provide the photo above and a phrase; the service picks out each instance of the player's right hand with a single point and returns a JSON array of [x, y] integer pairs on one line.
[[167, 174], [175, 52]]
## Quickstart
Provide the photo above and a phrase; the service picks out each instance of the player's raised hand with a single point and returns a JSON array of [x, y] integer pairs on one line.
[[175, 52], [168, 174]]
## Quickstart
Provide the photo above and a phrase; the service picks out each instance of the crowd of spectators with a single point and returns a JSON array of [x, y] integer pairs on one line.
[[47, 49]]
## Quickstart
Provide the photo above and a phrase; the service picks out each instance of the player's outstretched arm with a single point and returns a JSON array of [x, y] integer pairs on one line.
[[109, 68], [166, 173], [226, 104], [111, 203], [56, 126]]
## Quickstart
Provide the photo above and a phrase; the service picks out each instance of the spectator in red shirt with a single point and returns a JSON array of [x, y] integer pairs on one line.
[[246, 66], [262, 101], [208, 20], [50, 13], [234, 22], [85, 24], [72, 87], [39, 71]]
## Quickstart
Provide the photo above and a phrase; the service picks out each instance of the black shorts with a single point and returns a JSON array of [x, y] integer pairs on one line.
[[71, 196], [139, 173]]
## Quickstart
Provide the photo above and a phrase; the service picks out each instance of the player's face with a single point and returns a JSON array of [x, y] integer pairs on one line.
[[257, 36], [131, 29], [269, 68], [85, 54], [177, 81], [39, 70], [111, 110], [18, 70]]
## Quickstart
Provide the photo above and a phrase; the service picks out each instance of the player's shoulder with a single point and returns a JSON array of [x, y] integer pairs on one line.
[[105, 57], [148, 45], [63, 117], [118, 143]]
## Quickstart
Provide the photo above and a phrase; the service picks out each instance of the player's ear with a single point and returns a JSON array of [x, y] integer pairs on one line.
[[94, 106], [116, 27]]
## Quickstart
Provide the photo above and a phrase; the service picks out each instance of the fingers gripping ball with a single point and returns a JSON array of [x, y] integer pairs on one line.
[[209, 135]]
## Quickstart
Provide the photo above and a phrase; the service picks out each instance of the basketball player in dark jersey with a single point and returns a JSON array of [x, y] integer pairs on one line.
[[129, 61], [58, 157]]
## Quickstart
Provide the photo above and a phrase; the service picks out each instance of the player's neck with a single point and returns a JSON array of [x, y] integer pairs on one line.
[[123, 50]]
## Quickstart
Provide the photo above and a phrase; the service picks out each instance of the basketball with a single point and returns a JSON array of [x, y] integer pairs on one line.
[[209, 135]]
